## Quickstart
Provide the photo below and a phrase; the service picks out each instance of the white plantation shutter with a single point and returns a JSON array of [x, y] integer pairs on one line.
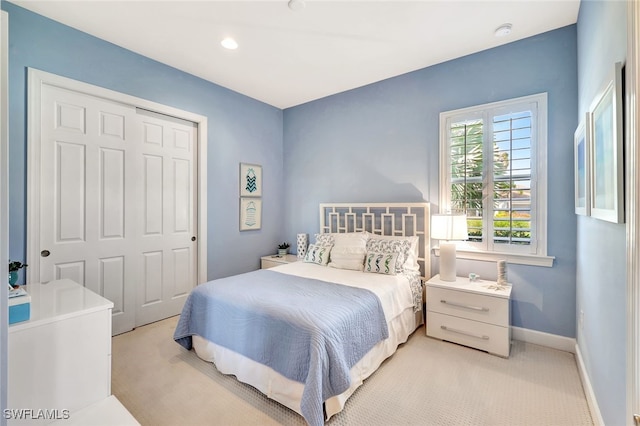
[[492, 159], [511, 176]]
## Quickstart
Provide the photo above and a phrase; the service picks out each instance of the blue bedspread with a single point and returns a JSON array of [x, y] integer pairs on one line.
[[308, 330]]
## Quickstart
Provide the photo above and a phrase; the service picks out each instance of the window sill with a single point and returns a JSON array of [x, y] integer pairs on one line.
[[520, 259]]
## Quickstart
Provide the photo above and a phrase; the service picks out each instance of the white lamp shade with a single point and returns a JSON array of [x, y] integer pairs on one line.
[[449, 227]]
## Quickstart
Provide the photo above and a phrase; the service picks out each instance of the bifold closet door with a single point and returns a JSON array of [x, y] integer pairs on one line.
[[117, 204]]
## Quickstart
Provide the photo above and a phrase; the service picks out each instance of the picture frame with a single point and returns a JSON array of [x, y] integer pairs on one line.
[[250, 180], [582, 158], [606, 134], [250, 213]]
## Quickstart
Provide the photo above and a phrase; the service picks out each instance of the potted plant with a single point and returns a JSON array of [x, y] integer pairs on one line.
[[14, 267], [283, 249]]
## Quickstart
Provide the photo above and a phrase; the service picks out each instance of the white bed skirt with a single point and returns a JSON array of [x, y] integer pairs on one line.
[[288, 392]]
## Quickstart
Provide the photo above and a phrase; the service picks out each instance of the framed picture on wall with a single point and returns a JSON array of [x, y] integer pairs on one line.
[[581, 167], [606, 135], [250, 213], [250, 180]]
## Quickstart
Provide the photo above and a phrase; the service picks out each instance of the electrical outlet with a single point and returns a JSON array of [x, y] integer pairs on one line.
[[581, 319]]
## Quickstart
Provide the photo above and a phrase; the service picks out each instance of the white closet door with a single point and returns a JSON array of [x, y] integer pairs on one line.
[[86, 220], [117, 204], [166, 169]]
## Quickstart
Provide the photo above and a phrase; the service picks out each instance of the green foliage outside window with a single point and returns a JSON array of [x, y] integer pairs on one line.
[[467, 164]]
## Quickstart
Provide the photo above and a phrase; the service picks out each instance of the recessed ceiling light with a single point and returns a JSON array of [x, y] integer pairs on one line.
[[229, 43], [503, 30], [296, 5]]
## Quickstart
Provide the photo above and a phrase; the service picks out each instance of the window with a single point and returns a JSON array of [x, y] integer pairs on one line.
[[493, 168]]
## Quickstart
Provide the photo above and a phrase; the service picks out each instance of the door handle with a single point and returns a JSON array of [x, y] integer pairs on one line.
[[193, 238], [45, 253]]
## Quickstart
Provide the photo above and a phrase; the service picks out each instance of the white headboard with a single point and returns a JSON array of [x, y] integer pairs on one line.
[[397, 219]]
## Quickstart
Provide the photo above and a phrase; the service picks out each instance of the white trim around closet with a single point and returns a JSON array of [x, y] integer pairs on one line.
[[632, 183], [4, 205]]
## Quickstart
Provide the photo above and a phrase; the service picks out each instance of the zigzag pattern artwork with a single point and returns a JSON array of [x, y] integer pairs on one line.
[[252, 185]]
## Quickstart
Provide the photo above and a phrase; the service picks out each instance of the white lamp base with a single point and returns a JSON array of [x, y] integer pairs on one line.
[[447, 261]]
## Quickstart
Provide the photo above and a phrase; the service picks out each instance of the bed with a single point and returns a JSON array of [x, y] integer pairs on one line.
[[307, 334]]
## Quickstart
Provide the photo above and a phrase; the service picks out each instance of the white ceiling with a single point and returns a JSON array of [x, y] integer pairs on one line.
[[285, 57]]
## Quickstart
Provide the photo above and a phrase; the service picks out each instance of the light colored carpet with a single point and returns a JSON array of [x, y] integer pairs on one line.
[[426, 382]]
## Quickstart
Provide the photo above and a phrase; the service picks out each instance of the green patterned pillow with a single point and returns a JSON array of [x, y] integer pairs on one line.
[[318, 254], [391, 246], [381, 263]]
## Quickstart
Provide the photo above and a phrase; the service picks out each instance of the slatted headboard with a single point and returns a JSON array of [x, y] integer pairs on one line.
[[397, 219]]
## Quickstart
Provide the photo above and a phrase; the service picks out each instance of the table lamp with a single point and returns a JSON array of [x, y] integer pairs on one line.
[[448, 228]]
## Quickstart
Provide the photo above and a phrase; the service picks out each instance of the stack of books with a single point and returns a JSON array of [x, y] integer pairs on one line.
[[19, 305]]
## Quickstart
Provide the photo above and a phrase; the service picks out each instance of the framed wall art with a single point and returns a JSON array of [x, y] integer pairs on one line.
[[250, 180], [606, 134], [250, 213], [581, 167]]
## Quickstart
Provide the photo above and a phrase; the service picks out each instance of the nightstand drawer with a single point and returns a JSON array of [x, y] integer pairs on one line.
[[486, 337], [272, 261], [267, 263], [473, 306]]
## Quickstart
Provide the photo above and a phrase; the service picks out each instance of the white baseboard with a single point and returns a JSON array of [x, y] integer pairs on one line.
[[588, 390], [554, 341]]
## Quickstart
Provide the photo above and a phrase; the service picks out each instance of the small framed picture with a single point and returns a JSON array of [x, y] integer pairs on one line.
[[250, 213], [606, 138], [250, 180], [581, 167]]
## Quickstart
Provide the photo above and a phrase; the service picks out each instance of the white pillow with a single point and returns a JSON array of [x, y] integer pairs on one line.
[[411, 262], [348, 250], [317, 254], [380, 263]]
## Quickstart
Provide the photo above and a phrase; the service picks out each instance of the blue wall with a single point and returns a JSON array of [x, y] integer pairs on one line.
[[380, 143], [601, 249], [241, 129]]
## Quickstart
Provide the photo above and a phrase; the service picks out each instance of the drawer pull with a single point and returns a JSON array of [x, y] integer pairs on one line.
[[466, 333], [459, 305]]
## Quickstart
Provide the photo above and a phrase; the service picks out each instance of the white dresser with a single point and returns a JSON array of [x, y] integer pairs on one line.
[[60, 359], [470, 313]]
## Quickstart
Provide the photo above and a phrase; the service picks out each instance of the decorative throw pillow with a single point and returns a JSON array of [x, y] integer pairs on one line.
[[324, 239], [400, 246], [380, 263], [348, 250], [411, 263], [317, 254]]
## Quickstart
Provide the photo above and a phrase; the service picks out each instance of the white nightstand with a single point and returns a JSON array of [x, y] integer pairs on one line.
[[470, 313], [275, 260]]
